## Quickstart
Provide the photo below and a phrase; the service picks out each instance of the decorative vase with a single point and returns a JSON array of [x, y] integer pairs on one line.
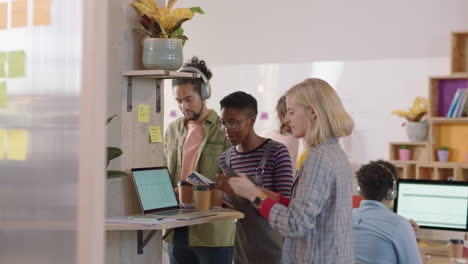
[[416, 131], [162, 54], [443, 155], [404, 154]]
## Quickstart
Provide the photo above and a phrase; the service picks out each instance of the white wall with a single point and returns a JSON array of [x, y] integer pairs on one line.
[[272, 31]]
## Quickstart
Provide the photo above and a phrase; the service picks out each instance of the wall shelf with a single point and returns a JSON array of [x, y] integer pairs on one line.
[[448, 120], [419, 152], [158, 75], [460, 51]]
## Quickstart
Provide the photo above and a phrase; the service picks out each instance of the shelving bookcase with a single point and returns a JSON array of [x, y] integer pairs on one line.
[[443, 131]]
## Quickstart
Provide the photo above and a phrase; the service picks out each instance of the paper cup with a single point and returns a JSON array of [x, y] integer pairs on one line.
[[202, 197], [185, 192]]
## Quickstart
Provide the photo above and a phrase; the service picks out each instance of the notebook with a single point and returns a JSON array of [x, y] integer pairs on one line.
[[157, 196]]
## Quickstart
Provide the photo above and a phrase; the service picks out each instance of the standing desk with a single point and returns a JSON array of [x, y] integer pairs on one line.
[[142, 244]]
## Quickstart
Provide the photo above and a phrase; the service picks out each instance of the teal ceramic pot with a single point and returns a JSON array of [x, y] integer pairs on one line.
[[162, 54]]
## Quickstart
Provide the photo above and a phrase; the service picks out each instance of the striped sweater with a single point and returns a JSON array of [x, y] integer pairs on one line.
[[278, 175]]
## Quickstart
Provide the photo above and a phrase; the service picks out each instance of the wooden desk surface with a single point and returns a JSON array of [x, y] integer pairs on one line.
[[441, 260], [220, 216]]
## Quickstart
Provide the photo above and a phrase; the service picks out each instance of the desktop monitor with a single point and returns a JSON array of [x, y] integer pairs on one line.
[[434, 204]]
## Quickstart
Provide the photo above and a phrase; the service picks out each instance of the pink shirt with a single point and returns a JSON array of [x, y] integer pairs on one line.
[[190, 148]]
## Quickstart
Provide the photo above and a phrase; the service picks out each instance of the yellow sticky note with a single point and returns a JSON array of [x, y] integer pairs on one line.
[[2, 64], [3, 95], [143, 113], [17, 144], [155, 134], [16, 64], [3, 15], [19, 13], [42, 12], [2, 144]]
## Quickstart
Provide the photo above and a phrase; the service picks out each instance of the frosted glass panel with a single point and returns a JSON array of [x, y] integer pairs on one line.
[[39, 131], [370, 90]]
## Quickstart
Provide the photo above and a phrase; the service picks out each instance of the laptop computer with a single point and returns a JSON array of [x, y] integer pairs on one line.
[[157, 196]]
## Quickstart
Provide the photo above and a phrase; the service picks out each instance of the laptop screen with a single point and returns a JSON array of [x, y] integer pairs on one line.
[[154, 188], [434, 204]]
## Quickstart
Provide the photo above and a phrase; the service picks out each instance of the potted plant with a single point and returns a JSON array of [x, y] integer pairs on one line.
[[404, 152], [162, 47], [112, 153], [443, 153], [416, 129]]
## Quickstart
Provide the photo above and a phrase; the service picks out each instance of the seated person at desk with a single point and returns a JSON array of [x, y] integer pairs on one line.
[[381, 236]]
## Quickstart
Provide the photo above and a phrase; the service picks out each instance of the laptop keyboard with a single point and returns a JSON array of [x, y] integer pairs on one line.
[[174, 212]]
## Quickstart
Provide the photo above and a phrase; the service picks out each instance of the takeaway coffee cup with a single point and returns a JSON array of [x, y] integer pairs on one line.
[[202, 197], [185, 192], [455, 248], [216, 196]]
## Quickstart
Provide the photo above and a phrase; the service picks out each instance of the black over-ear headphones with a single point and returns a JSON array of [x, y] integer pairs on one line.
[[205, 89], [392, 192]]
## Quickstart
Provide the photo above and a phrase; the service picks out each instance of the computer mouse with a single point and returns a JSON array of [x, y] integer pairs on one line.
[[459, 260]]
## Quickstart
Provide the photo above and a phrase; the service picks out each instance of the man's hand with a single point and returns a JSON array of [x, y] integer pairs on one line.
[[176, 190], [414, 225]]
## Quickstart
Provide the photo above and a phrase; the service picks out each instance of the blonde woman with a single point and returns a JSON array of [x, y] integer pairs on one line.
[[316, 220]]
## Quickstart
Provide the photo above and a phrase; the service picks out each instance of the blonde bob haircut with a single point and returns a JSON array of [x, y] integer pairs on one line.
[[332, 119]]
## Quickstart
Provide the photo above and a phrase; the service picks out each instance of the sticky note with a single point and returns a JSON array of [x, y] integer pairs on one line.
[[19, 13], [173, 113], [2, 144], [17, 144], [3, 95], [155, 134], [16, 61], [42, 12], [2, 64], [264, 116], [143, 113], [3, 15]]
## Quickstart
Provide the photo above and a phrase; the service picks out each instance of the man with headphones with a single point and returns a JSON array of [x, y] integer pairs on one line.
[[193, 143], [380, 235]]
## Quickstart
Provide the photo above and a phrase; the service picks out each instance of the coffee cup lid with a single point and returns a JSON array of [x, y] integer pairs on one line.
[[201, 187], [184, 183], [456, 241]]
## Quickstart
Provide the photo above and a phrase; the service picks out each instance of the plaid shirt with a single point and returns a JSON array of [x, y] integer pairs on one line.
[[317, 224]]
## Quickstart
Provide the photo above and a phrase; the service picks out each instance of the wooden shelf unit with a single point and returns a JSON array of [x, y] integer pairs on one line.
[[405, 170], [444, 131], [442, 171], [460, 51], [441, 91], [419, 151]]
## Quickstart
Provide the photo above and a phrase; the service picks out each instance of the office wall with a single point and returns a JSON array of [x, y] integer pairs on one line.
[[273, 31]]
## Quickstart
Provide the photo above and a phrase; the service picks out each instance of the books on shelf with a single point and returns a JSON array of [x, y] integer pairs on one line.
[[458, 107]]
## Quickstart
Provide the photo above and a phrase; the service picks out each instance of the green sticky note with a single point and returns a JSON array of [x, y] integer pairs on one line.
[[3, 95], [143, 113], [16, 61], [2, 64], [155, 134]]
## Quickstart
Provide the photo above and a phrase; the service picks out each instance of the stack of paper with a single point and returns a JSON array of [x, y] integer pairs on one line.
[[145, 220]]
